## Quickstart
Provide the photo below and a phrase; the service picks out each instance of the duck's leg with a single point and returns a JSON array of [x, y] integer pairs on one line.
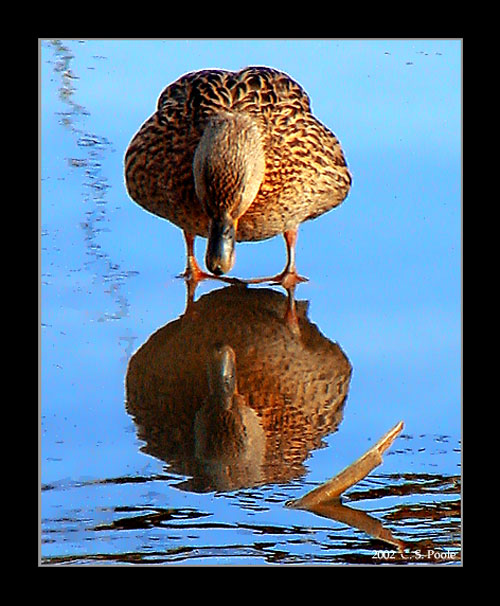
[[291, 317], [193, 271], [289, 277]]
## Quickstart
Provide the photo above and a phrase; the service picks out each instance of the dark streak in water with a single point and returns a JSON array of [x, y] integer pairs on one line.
[[95, 185]]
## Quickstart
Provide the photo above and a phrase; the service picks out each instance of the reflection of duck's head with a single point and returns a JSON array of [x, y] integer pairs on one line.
[[225, 427]]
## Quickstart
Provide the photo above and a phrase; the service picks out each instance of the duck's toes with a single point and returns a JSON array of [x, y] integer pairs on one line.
[[196, 275], [288, 279]]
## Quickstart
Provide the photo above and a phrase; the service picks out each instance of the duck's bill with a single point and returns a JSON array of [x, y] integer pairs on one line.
[[220, 248]]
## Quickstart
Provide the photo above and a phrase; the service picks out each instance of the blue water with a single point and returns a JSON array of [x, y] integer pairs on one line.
[[384, 284]]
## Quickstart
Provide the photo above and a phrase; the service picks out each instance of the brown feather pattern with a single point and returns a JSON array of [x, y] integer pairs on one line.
[[305, 170]]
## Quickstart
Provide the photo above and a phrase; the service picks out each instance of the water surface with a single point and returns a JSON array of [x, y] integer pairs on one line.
[[121, 480]]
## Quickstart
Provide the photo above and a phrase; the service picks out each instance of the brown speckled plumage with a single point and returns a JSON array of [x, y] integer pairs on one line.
[[305, 170]]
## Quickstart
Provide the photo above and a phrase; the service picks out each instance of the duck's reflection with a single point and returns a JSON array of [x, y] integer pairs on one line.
[[233, 395]]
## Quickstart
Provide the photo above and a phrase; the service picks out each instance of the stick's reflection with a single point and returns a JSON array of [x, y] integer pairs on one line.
[[335, 510], [232, 394]]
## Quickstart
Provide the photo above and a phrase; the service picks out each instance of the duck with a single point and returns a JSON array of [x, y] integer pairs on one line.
[[236, 156]]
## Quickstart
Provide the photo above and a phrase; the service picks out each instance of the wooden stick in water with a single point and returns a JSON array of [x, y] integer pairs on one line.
[[350, 475]]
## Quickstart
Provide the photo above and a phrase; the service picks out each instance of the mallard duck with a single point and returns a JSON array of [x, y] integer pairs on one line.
[[236, 156]]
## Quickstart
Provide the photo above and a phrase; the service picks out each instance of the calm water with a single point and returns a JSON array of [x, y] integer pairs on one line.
[[122, 366]]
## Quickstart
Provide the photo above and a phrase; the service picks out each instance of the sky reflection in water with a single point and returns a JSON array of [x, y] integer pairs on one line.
[[384, 272]]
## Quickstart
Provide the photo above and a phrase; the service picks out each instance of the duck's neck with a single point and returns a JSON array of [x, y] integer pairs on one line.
[[229, 164]]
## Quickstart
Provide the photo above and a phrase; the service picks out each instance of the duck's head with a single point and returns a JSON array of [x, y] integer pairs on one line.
[[228, 168]]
